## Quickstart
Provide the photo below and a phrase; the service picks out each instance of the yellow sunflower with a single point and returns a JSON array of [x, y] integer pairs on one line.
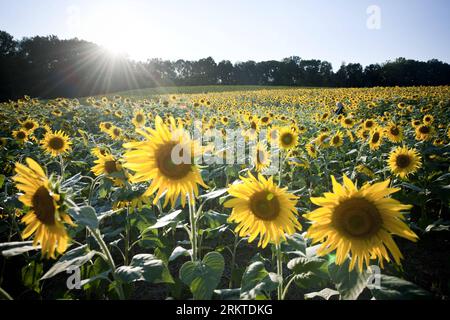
[[337, 140], [261, 208], [116, 133], [272, 134], [261, 158], [105, 127], [56, 143], [428, 119], [47, 216], [106, 164], [139, 119], [394, 133], [100, 152], [311, 150], [424, 132], [287, 139], [20, 135], [323, 140], [369, 124], [376, 137], [360, 222], [347, 123], [403, 161], [153, 160], [29, 125]]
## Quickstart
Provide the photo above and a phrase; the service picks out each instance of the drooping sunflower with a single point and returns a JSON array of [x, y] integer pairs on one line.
[[394, 133], [56, 143], [261, 208], [359, 222], [376, 138], [166, 159], [47, 214], [403, 161]]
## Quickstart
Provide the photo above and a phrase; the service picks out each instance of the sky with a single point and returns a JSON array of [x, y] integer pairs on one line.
[[364, 31]]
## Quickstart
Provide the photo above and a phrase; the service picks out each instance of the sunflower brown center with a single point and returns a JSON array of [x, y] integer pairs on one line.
[[110, 167], [44, 206], [336, 139], [287, 139], [395, 131], [369, 124], [28, 125], [56, 143], [376, 137], [357, 218], [139, 118], [168, 167], [260, 156], [21, 135], [424, 129], [265, 205], [403, 161]]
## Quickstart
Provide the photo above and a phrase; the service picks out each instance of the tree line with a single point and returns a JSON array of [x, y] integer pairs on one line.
[[50, 67]]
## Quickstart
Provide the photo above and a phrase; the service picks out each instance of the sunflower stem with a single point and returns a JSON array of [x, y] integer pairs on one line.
[[193, 223], [61, 163], [5, 294], [109, 259], [279, 257]]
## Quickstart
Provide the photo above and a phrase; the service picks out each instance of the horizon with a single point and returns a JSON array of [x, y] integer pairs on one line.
[[349, 35]]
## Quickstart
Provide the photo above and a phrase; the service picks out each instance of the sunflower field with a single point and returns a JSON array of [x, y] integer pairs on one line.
[[321, 194]]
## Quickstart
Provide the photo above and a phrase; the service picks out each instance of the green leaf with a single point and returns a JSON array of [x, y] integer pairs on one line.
[[214, 194], [11, 249], [350, 284], [326, 294], [144, 267], [178, 252], [304, 264], [297, 243], [31, 274], [227, 294], [257, 281], [166, 220], [85, 216], [393, 288], [203, 277], [103, 275], [2, 180], [73, 258]]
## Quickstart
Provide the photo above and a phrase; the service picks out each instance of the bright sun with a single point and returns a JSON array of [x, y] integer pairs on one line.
[[118, 31]]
